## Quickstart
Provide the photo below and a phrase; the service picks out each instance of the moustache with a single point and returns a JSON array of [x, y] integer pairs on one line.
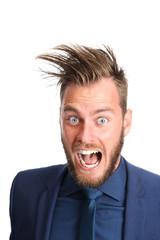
[[79, 145]]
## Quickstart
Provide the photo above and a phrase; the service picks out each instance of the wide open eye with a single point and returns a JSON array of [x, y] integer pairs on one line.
[[74, 120], [102, 120]]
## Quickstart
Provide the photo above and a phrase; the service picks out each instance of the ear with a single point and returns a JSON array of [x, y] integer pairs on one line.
[[127, 122]]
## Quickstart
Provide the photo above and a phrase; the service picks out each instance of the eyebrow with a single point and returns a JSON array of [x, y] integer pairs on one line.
[[107, 109], [69, 108]]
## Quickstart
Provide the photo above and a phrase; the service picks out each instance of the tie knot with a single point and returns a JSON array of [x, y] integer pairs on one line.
[[92, 193]]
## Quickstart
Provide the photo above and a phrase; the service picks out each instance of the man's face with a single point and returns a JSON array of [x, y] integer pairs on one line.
[[92, 131]]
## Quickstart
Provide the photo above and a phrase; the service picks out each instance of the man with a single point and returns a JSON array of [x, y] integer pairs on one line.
[[51, 203]]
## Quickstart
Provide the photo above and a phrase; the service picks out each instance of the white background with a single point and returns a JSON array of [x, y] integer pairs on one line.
[[29, 128]]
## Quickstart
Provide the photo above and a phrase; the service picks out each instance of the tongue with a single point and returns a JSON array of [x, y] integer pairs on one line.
[[90, 159]]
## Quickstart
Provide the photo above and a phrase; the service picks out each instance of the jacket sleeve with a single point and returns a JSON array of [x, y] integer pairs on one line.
[[12, 235]]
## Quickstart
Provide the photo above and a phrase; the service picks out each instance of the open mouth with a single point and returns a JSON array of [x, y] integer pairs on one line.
[[89, 158]]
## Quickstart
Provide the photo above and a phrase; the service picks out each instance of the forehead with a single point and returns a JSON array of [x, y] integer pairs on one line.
[[103, 91]]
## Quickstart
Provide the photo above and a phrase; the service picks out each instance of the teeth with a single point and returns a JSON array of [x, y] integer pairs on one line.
[[83, 162], [87, 152]]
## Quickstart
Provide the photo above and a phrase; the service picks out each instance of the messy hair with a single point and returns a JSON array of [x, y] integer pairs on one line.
[[84, 65]]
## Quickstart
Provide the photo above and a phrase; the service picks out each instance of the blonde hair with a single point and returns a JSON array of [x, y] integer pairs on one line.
[[83, 65]]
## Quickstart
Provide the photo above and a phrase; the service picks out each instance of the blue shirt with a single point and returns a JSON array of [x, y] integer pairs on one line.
[[109, 208]]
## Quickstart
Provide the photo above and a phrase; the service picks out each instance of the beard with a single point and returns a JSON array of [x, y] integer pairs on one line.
[[95, 183]]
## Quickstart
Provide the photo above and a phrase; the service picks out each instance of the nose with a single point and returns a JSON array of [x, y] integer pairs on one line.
[[86, 133]]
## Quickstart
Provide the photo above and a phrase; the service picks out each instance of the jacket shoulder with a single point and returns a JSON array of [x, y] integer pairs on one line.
[[37, 178], [148, 181], [42, 173], [26, 191]]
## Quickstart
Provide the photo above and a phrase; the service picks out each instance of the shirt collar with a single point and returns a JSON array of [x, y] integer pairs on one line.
[[113, 187], [69, 185]]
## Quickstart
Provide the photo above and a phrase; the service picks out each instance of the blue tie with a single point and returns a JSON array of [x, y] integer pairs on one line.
[[87, 223]]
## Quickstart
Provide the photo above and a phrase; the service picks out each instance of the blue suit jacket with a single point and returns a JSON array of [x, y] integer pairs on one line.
[[34, 194]]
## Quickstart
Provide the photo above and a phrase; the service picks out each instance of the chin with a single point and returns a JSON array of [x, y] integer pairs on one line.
[[91, 179], [98, 175]]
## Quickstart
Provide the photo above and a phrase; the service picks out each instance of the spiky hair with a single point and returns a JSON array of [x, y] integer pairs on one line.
[[83, 65]]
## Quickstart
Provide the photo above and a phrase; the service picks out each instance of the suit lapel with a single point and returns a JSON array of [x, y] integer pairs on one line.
[[46, 206], [135, 206], [134, 218]]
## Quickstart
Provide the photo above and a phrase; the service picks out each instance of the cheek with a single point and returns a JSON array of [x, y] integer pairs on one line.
[[67, 134], [111, 135], [108, 134], [64, 132]]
